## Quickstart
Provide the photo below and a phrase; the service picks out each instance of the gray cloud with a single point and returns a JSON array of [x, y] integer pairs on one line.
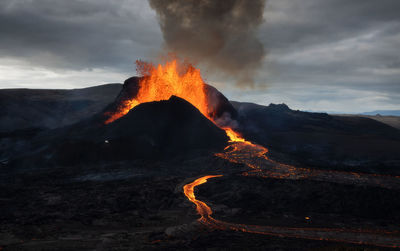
[[333, 44], [321, 54], [78, 34], [307, 22]]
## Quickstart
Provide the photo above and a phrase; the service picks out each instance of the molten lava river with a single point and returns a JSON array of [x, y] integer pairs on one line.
[[161, 82]]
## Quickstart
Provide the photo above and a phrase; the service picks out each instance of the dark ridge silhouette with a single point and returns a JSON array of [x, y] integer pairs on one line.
[[47, 109], [322, 140]]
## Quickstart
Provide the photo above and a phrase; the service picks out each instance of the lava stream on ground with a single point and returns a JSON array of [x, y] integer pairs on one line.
[[356, 236], [161, 82], [254, 156]]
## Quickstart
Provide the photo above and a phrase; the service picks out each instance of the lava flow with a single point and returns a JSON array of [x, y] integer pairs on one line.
[[184, 81], [201, 207], [355, 236], [253, 155]]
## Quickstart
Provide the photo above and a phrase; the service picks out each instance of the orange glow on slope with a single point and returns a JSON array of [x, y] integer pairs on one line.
[[234, 136], [161, 82]]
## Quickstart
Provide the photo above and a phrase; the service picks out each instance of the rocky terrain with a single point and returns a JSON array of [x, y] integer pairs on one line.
[[41, 108], [393, 121], [70, 182], [321, 140]]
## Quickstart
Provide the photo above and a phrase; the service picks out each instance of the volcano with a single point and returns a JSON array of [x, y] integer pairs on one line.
[[150, 130], [178, 79], [168, 111], [117, 176]]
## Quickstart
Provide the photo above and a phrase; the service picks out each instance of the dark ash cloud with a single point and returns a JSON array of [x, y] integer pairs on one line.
[[220, 34]]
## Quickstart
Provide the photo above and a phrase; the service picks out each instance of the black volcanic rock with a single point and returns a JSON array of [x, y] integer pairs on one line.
[[150, 130], [25, 113], [222, 108]]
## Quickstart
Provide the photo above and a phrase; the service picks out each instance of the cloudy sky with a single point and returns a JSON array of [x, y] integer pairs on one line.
[[330, 55]]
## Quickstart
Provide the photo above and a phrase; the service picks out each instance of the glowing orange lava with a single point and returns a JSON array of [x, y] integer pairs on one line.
[[184, 81], [234, 136], [380, 238], [201, 207], [162, 82]]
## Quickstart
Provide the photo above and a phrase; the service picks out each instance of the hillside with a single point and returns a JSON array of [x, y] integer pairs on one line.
[[46, 108]]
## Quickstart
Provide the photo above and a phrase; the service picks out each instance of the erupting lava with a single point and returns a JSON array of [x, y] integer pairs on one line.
[[162, 82]]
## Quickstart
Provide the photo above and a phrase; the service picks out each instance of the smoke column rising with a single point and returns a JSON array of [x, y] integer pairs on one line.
[[221, 34]]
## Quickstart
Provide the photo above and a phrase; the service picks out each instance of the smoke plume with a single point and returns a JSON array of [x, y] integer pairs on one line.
[[220, 34]]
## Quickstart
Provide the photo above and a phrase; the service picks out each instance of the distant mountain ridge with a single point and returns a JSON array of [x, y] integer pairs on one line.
[[383, 113], [341, 142], [22, 109]]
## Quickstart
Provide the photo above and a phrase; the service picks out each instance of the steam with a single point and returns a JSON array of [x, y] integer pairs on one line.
[[220, 34]]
